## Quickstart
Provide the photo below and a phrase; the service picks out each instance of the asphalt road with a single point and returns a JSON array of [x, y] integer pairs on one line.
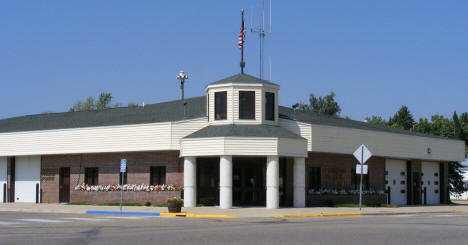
[[30, 229]]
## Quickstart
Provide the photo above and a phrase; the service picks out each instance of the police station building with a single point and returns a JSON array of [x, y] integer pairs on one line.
[[234, 146]]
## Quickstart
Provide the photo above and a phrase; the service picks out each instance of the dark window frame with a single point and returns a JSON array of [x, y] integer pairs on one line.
[[315, 178], [220, 105], [270, 101], [160, 171], [91, 176], [246, 105]]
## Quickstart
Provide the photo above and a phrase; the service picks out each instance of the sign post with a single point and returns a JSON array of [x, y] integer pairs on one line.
[[123, 169], [362, 154]]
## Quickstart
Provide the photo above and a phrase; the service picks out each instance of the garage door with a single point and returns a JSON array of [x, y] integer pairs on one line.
[[3, 178], [27, 177], [395, 178], [430, 180]]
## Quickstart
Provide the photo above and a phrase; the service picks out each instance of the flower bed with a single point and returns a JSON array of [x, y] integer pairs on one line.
[[96, 194], [332, 196], [127, 187]]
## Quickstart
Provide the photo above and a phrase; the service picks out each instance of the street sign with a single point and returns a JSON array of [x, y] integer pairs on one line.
[[123, 165], [362, 154], [364, 169]]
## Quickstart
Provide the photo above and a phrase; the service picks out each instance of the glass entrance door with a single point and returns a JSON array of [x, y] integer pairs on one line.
[[248, 181]]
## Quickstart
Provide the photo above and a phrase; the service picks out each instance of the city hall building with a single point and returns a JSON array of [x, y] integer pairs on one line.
[[235, 146]]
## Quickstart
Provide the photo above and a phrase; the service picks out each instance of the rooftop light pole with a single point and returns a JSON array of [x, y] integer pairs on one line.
[[182, 78]]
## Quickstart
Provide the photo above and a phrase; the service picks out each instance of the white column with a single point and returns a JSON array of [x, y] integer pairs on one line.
[[190, 181], [225, 182], [272, 182], [299, 182]]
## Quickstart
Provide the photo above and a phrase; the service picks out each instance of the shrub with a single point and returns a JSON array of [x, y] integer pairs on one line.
[[176, 200]]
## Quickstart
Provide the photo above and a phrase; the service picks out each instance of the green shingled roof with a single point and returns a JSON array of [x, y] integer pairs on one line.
[[234, 130], [243, 78], [162, 112]]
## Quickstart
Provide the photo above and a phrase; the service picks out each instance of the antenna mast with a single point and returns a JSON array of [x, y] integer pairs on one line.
[[261, 31]]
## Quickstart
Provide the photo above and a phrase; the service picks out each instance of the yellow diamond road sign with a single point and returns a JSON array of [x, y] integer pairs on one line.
[[362, 154]]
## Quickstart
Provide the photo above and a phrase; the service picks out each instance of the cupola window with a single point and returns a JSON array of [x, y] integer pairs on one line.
[[246, 104], [221, 105], [270, 106]]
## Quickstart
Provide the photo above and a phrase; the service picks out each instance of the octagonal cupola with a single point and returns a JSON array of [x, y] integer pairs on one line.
[[242, 99]]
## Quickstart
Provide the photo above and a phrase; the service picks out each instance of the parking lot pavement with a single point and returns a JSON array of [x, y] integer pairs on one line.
[[37, 228]]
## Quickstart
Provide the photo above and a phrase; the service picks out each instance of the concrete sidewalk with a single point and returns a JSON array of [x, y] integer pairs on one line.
[[244, 212]]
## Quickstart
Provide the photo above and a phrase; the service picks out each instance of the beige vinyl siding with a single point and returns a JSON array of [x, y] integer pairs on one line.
[[346, 140], [247, 146], [204, 147], [302, 129], [184, 128], [250, 146], [136, 137]]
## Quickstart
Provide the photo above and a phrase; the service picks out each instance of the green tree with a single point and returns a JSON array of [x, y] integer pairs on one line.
[[402, 119], [324, 105], [377, 120], [103, 102]]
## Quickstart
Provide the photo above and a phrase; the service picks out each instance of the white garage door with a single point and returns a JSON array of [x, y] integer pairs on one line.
[[3, 177], [396, 179], [27, 176], [430, 180]]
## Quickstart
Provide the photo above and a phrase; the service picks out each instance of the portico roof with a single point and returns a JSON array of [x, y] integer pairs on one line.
[[235, 130]]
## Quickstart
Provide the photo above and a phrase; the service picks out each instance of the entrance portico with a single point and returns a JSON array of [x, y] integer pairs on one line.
[[249, 163]]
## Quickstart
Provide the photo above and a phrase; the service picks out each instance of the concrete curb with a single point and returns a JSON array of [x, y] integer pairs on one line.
[[315, 215]]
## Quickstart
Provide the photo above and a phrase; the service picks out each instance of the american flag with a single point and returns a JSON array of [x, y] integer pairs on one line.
[[241, 40]]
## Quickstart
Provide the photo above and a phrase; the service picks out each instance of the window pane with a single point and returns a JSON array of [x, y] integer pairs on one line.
[[270, 106], [157, 175], [246, 104], [221, 105], [91, 176]]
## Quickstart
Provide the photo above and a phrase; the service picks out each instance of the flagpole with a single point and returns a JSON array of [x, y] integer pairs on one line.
[[242, 63]]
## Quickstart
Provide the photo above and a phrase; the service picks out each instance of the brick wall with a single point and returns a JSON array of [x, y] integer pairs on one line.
[[342, 164], [128, 196], [138, 167]]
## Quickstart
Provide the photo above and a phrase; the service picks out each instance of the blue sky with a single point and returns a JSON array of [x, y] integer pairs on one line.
[[375, 55]]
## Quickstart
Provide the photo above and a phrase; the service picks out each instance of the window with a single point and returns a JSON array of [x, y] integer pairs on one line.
[[91, 176], [124, 177], [356, 180], [246, 104], [157, 175], [270, 106], [314, 178], [221, 105]]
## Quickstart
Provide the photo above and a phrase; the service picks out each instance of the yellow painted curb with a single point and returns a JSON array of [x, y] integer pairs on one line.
[[191, 215], [458, 211], [315, 215], [210, 216], [173, 214]]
